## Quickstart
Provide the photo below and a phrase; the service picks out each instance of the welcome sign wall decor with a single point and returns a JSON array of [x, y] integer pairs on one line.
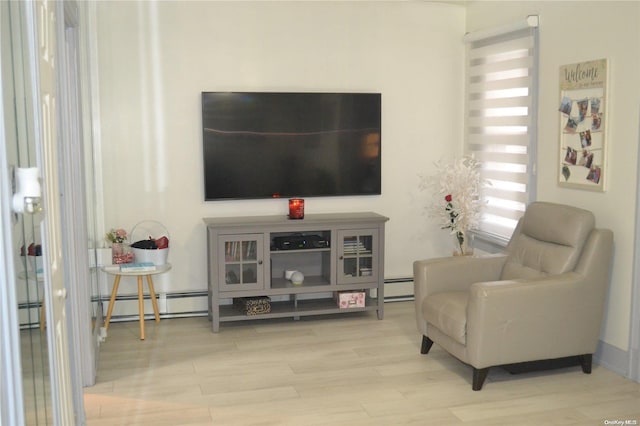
[[582, 125]]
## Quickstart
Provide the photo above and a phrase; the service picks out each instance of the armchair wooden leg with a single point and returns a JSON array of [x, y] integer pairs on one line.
[[479, 375], [585, 362], [426, 345]]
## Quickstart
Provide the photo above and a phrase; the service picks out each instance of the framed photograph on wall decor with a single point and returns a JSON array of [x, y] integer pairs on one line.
[[583, 94]]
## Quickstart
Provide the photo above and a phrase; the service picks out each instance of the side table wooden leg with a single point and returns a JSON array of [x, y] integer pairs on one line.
[[43, 318], [116, 283], [154, 302], [141, 306]]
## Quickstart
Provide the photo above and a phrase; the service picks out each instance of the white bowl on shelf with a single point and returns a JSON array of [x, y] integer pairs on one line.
[[297, 278]]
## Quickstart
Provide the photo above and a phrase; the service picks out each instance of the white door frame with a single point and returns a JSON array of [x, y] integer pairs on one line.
[[42, 20], [633, 370], [11, 397], [74, 209]]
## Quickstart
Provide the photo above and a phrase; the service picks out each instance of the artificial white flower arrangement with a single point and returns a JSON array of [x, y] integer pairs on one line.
[[456, 189]]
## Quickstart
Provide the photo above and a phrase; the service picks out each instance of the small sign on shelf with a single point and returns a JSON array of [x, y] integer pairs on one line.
[[350, 299]]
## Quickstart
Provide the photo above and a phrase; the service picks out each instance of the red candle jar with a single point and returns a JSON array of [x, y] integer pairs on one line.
[[296, 208]]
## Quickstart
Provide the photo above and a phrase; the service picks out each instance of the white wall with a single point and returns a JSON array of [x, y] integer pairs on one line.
[[572, 32], [156, 58]]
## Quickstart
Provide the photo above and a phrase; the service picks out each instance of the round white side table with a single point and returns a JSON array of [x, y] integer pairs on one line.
[[161, 269]]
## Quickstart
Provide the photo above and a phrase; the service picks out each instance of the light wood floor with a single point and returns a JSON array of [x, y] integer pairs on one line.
[[340, 370]]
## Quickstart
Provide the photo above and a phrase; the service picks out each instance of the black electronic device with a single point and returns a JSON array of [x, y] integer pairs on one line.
[[316, 241], [273, 145], [299, 242]]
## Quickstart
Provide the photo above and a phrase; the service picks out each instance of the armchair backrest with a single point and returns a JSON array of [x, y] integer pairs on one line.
[[548, 240]]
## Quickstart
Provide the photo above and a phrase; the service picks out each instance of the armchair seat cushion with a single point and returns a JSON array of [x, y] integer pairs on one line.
[[447, 311]]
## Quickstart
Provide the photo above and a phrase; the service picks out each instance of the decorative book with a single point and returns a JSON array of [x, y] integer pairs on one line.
[[137, 267]]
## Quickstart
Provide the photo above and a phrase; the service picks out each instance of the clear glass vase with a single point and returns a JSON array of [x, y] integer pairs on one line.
[[121, 253], [462, 244]]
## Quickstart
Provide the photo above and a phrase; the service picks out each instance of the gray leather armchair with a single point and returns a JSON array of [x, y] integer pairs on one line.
[[542, 299]]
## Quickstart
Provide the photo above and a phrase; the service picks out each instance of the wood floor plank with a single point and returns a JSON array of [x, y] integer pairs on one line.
[[334, 370]]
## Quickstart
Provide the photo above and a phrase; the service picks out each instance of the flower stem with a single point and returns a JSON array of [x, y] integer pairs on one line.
[[460, 237]]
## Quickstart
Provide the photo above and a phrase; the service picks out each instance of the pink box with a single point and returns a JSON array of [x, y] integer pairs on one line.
[[350, 299]]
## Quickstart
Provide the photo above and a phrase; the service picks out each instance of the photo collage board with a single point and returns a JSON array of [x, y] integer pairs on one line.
[[582, 125]]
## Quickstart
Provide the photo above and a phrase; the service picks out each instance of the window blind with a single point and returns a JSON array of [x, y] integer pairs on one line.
[[501, 109]]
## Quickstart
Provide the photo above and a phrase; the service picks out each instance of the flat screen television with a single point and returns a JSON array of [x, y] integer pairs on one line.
[[272, 145]]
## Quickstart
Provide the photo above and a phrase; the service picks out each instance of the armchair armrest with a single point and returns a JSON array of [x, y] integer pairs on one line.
[[520, 320], [455, 273]]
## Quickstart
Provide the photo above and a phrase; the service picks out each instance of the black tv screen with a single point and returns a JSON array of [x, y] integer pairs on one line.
[[271, 145]]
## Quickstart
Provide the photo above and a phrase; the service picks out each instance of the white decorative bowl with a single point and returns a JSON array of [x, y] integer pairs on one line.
[[297, 278]]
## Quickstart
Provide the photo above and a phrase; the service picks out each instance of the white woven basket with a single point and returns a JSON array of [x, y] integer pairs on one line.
[[145, 230]]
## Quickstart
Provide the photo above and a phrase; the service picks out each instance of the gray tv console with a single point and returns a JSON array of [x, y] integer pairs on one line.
[[344, 253]]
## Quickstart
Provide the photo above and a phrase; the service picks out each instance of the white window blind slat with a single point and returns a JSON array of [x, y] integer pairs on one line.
[[488, 86], [477, 137], [512, 92], [497, 226], [515, 102], [498, 121], [510, 214], [499, 47], [501, 157], [505, 176], [498, 132], [520, 197], [481, 69]]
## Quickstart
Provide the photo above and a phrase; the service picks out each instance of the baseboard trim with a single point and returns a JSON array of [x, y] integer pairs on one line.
[[634, 365], [612, 358], [150, 316], [146, 296], [396, 290]]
